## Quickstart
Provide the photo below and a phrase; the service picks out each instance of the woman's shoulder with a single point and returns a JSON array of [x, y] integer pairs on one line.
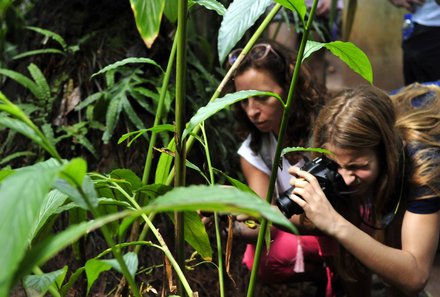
[[424, 206]]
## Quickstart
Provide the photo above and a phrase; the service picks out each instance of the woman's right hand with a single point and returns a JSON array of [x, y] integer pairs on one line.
[[309, 195]]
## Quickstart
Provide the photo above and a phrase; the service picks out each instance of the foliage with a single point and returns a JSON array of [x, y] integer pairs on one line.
[[120, 200]]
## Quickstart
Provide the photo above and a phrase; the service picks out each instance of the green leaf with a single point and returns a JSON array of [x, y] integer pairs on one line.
[[148, 15], [23, 80], [304, 149], [89, 100], [20, 127], [74, 171], [196, 236], [239, 17], [131, 114], [88, 189], [124, 62], [136, 134], [129, 181], [170, 10], [21, 196], [354, 57], [220, 199], [37, 285], [38, 52], [49, 207], [93, 269], [298, 6], [41, 81], [211, 5], [111, 118], [45, 250], [216, 105], [164, 165], [130, 259], [50, 34]]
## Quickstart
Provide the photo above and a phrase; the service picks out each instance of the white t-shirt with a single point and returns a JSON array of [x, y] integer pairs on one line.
[[264, 159], [428, 14]]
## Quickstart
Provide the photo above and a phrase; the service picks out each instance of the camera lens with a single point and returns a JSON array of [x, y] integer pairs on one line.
[[287, 206]]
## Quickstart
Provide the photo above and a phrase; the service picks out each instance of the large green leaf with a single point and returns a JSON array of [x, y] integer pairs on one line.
[[37, 285], [239, 17], [87, 189], [349, 53], [210, 4], [45, 250], [49, 207], [195, 234], [298, 6], [148, 15], [216, 105], [170, 10], [21, 196], [20, 127], [93, 269], [220, 199]]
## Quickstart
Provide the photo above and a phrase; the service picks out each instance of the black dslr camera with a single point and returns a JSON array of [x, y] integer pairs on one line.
[[331, 182]]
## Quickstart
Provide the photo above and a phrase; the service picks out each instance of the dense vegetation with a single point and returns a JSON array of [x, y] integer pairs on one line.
[[110, 110]]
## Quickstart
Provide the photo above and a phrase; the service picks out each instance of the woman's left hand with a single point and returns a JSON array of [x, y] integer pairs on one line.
[[309, 195]]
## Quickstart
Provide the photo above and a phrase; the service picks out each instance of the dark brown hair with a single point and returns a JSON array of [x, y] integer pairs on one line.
[[308, 97]]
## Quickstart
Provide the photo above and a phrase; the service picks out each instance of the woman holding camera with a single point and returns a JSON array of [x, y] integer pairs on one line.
[[388, 152], [269, 67]]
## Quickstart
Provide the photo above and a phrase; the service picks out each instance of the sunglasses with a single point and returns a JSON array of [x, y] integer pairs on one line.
[[258, 52]]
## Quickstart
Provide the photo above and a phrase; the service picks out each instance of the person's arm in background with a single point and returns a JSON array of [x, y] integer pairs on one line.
[[407, 4]]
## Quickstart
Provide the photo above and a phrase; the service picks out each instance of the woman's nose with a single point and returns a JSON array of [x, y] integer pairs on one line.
[[253, 108], [349, 177]]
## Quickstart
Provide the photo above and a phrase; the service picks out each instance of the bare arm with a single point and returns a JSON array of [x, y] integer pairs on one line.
[[407, 4], [407, 268]]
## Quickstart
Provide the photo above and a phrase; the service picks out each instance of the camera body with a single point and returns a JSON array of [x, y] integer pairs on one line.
[[331, 182]]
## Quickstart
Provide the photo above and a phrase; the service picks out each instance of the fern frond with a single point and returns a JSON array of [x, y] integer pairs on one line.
[[51, 35], [132, 60], [38, 52], [41, 82], [22, 80], [113, 111]]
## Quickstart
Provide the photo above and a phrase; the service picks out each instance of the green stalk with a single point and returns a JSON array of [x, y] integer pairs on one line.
[[227, 77], [216, 218], [180, 126], [177, 267], [108, 238], [148, 161], [283, 126]]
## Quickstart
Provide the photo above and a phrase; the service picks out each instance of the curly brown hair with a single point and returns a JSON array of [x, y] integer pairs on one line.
[[308, 96]]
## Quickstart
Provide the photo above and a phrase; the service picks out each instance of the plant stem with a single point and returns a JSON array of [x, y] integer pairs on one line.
[[159, 237], [52, 288], [277, 157], [147, 168], [216, 220], [179, 160], [116, 249]]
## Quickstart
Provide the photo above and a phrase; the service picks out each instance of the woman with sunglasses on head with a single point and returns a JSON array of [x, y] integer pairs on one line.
[[388, 153], [269, 67]]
